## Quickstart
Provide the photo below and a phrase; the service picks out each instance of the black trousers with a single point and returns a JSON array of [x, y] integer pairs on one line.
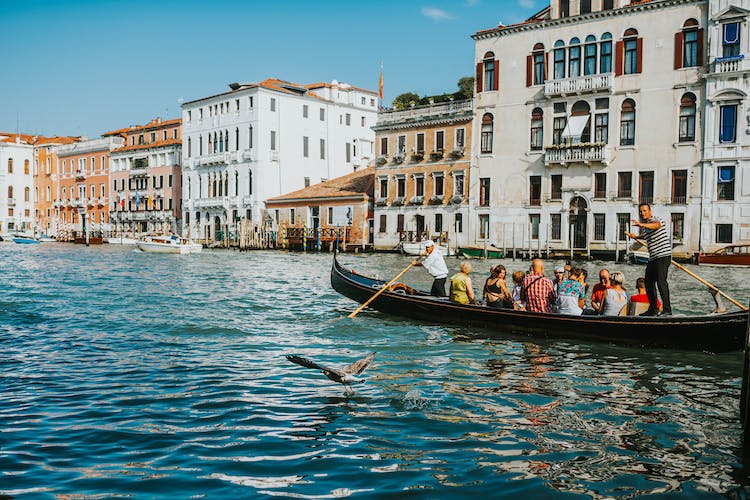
[[438, 288], [656, 275]]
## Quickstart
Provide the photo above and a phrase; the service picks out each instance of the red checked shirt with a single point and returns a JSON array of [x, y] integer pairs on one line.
[[539, 293]]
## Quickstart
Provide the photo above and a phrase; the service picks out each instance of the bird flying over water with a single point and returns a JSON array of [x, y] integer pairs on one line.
[[346, 376]]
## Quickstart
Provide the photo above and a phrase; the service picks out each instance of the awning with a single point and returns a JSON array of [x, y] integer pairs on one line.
[[574, 128]]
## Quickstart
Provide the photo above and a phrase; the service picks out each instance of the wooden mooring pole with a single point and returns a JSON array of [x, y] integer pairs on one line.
[[745, 394]]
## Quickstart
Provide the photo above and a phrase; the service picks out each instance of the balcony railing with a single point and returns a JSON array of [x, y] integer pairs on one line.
[[11, 202], [576, 153], [422, 112], [80, 174], [679, 200], [213, 159], [219, 201], [730, 64], [579, 85]]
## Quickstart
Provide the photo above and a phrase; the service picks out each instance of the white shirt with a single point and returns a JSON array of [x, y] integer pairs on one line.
[[435, 264]]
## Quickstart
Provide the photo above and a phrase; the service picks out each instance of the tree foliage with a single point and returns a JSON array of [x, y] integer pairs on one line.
[[407, 99]]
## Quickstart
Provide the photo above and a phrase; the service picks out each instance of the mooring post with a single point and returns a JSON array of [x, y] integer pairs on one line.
[[744, 396]]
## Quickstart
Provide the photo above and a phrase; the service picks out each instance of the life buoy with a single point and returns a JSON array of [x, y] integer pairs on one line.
[[401, 288]]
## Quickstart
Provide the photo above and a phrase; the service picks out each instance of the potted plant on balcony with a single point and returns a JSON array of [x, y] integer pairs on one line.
[[457, 199], [397, 202], [457, 153], [381, 202], [436, 200], [399, 158], [416, 157], [436, 155], [416, 200], [382, 160]]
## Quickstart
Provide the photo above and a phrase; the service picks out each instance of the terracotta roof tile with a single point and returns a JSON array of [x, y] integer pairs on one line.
[[359, 183], [151, 145], [8, 137], [153, 124]]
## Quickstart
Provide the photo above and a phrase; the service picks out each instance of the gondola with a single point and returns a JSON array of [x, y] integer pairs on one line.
[[712, 333]]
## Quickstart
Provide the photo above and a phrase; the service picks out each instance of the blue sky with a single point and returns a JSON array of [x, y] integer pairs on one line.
[[84, 67]]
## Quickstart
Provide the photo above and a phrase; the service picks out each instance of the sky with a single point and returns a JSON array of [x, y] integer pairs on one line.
[[85, 67]]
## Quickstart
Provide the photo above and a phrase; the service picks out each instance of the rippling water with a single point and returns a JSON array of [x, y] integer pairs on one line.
[[161, 375]]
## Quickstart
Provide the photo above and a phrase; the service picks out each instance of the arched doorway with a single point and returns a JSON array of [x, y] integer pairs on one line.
[[218, 229], [578, 217]]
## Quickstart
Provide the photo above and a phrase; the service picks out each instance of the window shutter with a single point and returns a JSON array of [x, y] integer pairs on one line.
[[639, 55], [619, 48], [479, 77], [546, 65], [497, 76], [700, 47], [529, 71], [679, 40]]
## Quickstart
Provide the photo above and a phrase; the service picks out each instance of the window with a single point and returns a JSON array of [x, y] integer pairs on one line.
[[540, 67], [348, 119], [458, 184], [200, 145], [600, 185], [679, 186], [401, 145], [555, 226], [400, 223], [236, 139], [627, 123], [273, 108], [723, 233], [27, 193], [305, 146], [559, 60], [585, 6], [688, 45], [535, 190], [305, 110], [249, 183], [322, 114], [10, 165], [291, 216], [558, 126], [646, 192], [599, 227], [26, 167], [623, 226], [487, 132], [438, 223], [484, 226], [728, 124], [725, 183], [535, 221], [153, 136], [624, 184], [601, 127], [400, 186], [605, 53], [460, 141], [574, 58], [307, 182], [487, 73], [678, 226], [484, 192], [420, 144], [382, 227], [439, 181], [250, 138], [687, 118], [419, 185], [348, 152], [537, 130], [730, 40], [383, 184], [273, 140], [362, 122], [322, 149], [589, 55], [440, 141], [632, 57], [384, 146], [608, 4], [555, 186], [458, 223], [564, 8]]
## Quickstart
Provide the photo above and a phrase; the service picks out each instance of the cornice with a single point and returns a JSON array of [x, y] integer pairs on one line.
[[465, 118], [581, 18]]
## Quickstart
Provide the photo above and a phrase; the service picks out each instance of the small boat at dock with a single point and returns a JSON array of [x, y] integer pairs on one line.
[[732, 255], [168, 244], [25, 239], [476, 252], [121, 240]]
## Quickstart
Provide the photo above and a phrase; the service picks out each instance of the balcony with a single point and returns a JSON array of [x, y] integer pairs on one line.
[[217, 202], [80, 175], [419, 113], [730, 64], [576, 153], [248, 200], [579, 85], [247, 155], [11, 202], [213, 159]]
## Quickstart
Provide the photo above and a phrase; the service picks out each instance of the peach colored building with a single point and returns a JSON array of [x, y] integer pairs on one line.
[[316, 214], [84, 194], [145, 179], [47, 183]]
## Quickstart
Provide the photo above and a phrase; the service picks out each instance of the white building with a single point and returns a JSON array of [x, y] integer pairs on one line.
[[725, 201], [16, 183], [582, 112], [262, 140]]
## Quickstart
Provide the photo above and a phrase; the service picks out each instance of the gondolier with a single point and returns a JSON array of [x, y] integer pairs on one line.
[[434, 264], [654, 230]]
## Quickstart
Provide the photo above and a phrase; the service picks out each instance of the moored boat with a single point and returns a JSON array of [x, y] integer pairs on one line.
[[639, 257], [168, 244], [25, 239], [714, 333], [47, 239], [122, 240], [418, 248], [732, 255], [478, 252]]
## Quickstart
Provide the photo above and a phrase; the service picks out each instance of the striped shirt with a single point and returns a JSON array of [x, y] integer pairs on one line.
[[658, 240]]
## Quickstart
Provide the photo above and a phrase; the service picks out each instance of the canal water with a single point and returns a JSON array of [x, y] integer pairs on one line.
[[145, 375]]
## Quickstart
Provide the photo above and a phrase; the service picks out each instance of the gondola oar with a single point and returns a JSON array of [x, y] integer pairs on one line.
[[387, 285], [709, 285]]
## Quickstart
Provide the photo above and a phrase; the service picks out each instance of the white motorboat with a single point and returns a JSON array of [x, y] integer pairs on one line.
[[417, 248], [122, 240], [168, 244]]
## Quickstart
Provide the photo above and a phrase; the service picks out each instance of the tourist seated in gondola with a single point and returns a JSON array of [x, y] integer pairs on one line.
[[518, 303], [615, 298], [537, 290], [639, 300], [571, 295], [598, 292], [496, 290], [560, 276], [461, 288]]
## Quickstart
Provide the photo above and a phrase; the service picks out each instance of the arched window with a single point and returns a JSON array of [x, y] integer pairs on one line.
[[688, 45], [236, 183], [627, 123], [216, 143], [540, 68], [48, 194], [574, 58], [10, 165], [589, 56], [537, 129], [487, 73], [687, 117], [226, 138], [26, 167], [487, 133], [26, 194], [632, 48], [226, 178], [579, 125], [249, 182], [605, 53], [190, 147], [237, 139], [209, 143], [36, 194], [200, 145], [559, 59], [221, 142]]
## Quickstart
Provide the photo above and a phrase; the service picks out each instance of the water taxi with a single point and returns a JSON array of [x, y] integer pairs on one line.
[[732, 255], [168, 244]]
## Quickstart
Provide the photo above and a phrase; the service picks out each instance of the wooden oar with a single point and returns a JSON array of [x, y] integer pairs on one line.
[[385, 287], [709, 285]]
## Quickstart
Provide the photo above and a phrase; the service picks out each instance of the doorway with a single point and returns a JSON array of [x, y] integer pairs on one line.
[[578, 215]]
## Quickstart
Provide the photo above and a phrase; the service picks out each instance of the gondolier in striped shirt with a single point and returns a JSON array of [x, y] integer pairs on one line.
[[654, 230]]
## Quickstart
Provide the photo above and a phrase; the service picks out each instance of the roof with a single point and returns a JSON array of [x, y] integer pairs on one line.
[[154, 124], [35, 140], [150, 145], [345, 87], [356, 184]]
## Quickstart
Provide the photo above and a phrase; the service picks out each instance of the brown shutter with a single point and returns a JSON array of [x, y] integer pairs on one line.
[[496, 79], [639, 55], [700, 47], [619, 48], [529, 71], [479, 77], [679, 41], [546, 64]]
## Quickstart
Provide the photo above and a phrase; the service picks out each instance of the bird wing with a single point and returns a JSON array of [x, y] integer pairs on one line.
[[361, 365], [308, 363]]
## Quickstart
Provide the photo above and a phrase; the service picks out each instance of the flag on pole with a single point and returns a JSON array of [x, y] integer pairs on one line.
[[380, 87]]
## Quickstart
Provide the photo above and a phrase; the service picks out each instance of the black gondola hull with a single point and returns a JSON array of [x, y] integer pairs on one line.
[[713, 333]]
